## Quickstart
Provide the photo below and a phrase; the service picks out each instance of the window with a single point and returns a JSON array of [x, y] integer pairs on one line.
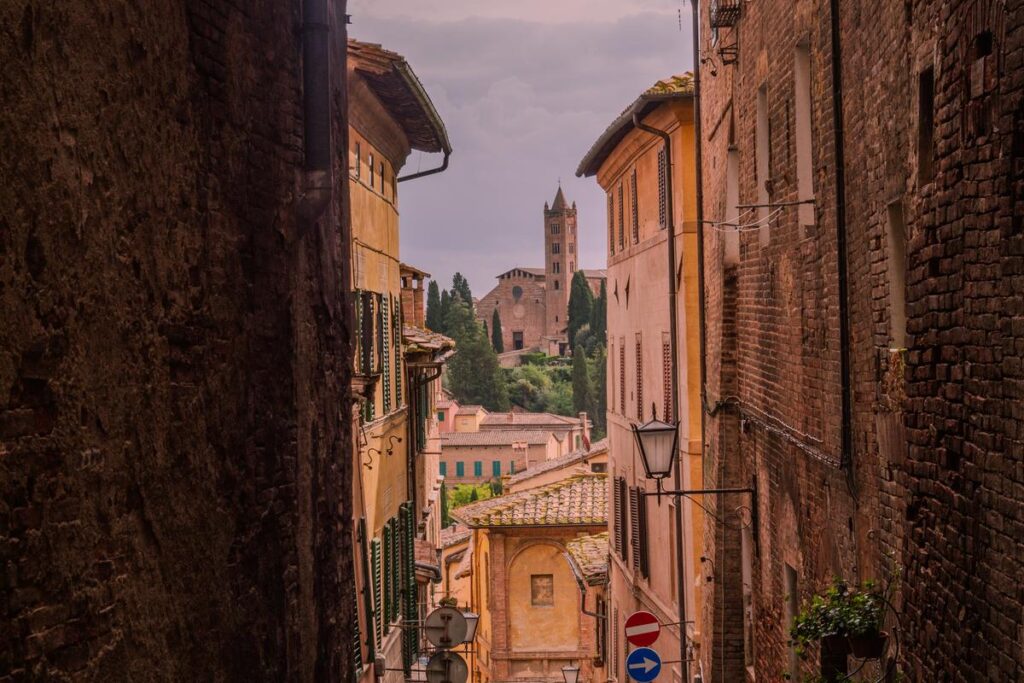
[[382, 177], [478, 468], [556, 248], [542, 590], [662, 188], [443, 468], [789, 615], [896, 242], [517, 341], [517, 292], [557, 285], [460, 469], [804, 139], [370, 157], [572, 248], [572, 266], [555, 228], [762, 166], [496, 468], [579, 442], [440, 416], [601, 634], [359, 159], [731, 238], [639, 378], [636, 210], [926, 126], [599, 467], [556, 267], [511, 466], [619, 516]]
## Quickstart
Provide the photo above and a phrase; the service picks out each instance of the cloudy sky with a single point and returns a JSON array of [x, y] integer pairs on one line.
[[524, 88]]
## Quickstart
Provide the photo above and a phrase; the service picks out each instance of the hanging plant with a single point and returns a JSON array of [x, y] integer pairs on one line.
[[843, 617]]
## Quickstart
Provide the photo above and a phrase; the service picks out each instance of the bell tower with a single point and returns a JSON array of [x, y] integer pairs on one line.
[[560, 249]]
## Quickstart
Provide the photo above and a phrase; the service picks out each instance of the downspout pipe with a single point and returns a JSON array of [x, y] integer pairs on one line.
[[841, 246], [674, 353], [317, 181]]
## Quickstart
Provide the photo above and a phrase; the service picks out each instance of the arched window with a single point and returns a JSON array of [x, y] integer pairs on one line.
[[517, 292]]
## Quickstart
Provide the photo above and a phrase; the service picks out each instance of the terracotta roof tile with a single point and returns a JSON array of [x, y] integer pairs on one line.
[[582, 499], [531, 419], [454, 535], [591, 556], [495, 437], [567, 460]]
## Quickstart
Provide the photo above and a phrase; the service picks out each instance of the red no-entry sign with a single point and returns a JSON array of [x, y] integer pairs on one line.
[[642, 629]]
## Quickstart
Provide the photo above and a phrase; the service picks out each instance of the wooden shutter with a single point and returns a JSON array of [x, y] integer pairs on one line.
[[378, 590], [622, 376], [622, 219], [616, 517], [642, 545], [611, 224], [357, 645], [662, 189], [369, 579], [396, 569], [408, 572], [388, 580], [379, 331], [636, 212], [396, 316], [639, 378], [622, 520], [385, 351], [666, 379], [634, 528]]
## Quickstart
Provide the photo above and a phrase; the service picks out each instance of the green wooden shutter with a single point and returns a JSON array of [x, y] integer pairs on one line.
[[357, 646], [396, 569], [388, 595], [378, 593], [396, 317], [409, 601], [385, 372]]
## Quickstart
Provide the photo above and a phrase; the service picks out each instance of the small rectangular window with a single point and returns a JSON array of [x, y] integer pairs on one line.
[[557, 285], [440, 416], [556, 248], [511, 466], [555, 228], [478, 468], [804, 139], [382, 177], [372, 181], [517, 341], [556, 267], [496, 468], [358, 160], [542, 590], [926, 126], [460, 469], [443, 468], [896, 241]]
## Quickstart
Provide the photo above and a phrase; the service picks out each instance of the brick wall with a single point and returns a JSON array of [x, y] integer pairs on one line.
[[933, 480], [173, 353]]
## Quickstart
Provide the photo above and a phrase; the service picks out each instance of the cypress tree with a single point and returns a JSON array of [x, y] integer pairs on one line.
[[496, 332], [434, 319], [581, 304], [599, 316], [461, 286], [582, 393], [599, 371], [444, 308]]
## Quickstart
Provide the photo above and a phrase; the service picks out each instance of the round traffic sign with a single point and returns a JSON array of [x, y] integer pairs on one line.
[[643, 664], [447, 667], [642, 629], [445, 627]]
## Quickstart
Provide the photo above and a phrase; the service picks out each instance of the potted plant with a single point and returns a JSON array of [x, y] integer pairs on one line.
[[843, 619]]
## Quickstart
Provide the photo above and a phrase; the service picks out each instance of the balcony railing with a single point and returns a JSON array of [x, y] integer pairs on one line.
[[725, 13]]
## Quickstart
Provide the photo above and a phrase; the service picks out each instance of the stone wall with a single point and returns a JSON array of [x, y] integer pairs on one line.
[[173, 353], [929, 494]]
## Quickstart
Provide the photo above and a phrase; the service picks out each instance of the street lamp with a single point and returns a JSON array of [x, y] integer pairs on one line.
[[571, 673], [658, 442], [472, 619]]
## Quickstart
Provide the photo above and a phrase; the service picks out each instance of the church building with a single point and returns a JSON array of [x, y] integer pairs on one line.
[[533, 303]]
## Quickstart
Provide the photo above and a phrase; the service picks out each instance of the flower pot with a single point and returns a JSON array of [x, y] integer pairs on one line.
[[868, 645], [834, 644]]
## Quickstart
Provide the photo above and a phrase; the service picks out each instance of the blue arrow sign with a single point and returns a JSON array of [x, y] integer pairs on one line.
[[643, 664]]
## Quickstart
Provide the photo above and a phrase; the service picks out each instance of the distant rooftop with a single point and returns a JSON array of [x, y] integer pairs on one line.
[[528, 419], [567, 460], [534, 272], [454, 535], [578, 500], [495, 437]]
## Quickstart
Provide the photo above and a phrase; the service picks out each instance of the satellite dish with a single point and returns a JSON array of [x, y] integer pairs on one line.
[[447, 667], [445, 627]]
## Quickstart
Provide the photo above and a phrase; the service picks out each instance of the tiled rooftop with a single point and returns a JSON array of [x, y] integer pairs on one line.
[[528, 419], [470, 409], [495, 437], [454, 535], [417, 338], [591, 555], [567, 460], [582, 499]]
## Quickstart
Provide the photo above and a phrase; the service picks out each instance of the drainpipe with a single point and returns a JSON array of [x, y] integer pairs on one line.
[[430, 171], [317, 181], [844, 310], [674, 354], [699, 161]]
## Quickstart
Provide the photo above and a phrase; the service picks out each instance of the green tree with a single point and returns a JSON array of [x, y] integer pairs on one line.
[[599, 373], [582, 392], [442, 312], [496, 332], [446, 519], [473, 496], [581, 304], [460, 286], [599, 316], [474, 374], [434, 316]]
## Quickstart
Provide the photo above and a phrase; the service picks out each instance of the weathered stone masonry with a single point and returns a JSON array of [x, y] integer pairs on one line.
[[934, 482], [173, 349]]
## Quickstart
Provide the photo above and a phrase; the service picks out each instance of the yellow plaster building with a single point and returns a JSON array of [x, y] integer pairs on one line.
[[631, 166]]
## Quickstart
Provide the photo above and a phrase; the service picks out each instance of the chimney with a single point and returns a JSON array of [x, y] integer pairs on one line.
[[586, 429]]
